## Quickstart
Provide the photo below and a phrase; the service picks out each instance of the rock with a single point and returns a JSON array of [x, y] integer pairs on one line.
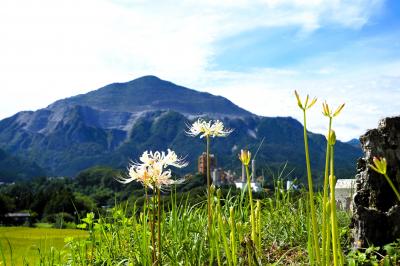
[[376, 210]]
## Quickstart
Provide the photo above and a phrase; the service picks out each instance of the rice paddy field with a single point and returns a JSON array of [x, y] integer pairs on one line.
[[25, 245]]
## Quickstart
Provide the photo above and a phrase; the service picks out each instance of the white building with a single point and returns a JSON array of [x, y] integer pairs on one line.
[[344, 191], [256, 187]]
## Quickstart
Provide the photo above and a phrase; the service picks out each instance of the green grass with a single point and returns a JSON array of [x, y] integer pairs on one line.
[[43, 225], [32, 244], [121, 237]]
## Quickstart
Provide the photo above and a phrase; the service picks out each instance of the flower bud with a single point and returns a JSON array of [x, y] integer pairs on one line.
[[380, 165], [331, 138], [245, 157], [338, 110], [306, 104], [325, 109], [298, 100], [328, 113]]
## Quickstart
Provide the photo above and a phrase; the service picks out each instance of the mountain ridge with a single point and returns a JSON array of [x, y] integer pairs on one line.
[[98, 128], [116, 97]]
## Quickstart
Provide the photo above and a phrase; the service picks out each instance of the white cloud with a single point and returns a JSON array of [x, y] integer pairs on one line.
[[369, 96]]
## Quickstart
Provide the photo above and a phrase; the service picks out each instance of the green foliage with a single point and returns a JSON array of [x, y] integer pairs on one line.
[[13, 168], [6, 204], [387, 256], [47, 198], [94, 189], [122, 235], [125, 239]]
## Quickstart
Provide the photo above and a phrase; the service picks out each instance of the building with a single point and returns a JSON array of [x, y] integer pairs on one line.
[[17, 218], [216, 177], [253, 171], [344, 191], [221, 177], [290, 185], [202, 163], [255, 186]]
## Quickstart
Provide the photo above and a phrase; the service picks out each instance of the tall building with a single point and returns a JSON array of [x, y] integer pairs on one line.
[[202, 163]]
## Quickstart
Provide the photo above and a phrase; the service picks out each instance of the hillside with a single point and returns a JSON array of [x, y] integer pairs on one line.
[[116, 123], [13, 168]]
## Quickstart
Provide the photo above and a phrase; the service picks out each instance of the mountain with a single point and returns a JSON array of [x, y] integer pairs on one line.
[[354, 142], [150, 93], [118, 122], [13, 168]]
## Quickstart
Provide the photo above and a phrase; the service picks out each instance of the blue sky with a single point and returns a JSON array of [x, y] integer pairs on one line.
[[256, 53], [287, 46]]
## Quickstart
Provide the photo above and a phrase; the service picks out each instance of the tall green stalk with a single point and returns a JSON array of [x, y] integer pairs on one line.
[[258, 226], [221, 229], [328, 235], [311, 194], [335, 236], [329, 205], [159, 260], [153, 240], [252, 221], [146, 215], [232, 224], [208, 185], [325, 229]]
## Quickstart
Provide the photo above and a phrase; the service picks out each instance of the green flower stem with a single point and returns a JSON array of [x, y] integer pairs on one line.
[[153, 240], [221, 230], [335, 236], [159, 226], [325, 249], [232, 224], [146, 215], [311, 193], [328, 235], [215, 233], [253, 226], [208, 185], [258, 225], [392, 186]]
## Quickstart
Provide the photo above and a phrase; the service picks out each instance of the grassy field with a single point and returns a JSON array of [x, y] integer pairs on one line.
[[26, 243]]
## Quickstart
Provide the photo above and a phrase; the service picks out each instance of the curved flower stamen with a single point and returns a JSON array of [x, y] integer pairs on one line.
[[306, 104], [151, 171], [326, 111], [208, 129]]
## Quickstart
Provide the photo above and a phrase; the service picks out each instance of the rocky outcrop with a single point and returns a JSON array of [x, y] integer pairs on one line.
[[376, 210]]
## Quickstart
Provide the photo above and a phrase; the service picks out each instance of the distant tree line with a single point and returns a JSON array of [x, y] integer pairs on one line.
[[56, 200]]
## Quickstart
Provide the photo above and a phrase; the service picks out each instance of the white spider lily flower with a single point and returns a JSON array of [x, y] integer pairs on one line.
[[196, 128], [207, 129], [162, 178], [146, 159], [218, 129], [171, 159], [151, 171], [137, 173]]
